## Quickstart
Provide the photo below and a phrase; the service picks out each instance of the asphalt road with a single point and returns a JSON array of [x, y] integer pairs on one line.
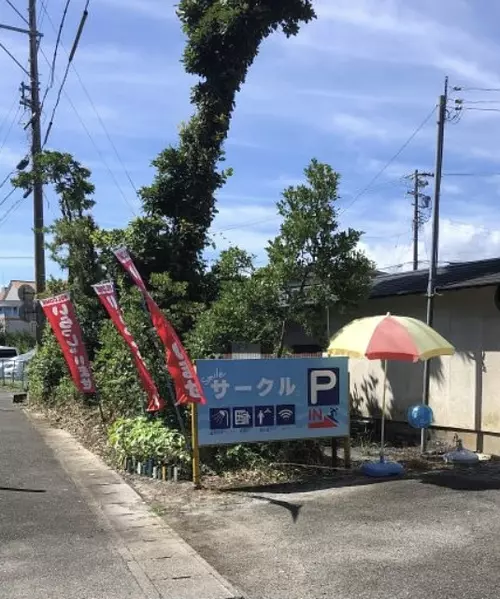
[[51, 543], [401, 539], [71, 528]]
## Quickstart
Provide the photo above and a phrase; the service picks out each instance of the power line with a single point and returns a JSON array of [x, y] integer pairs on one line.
[[19, 13], [476, 89], [11, 210], [66, 71], [6, 137], [2, 202], [96, 112], [96, 147], [4, 181], [58, 41], [391, 160]]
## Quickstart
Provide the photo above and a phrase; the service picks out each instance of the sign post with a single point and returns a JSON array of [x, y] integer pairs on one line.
[[195, 447]]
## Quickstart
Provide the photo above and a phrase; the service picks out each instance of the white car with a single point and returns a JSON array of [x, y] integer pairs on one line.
[[15, 368]]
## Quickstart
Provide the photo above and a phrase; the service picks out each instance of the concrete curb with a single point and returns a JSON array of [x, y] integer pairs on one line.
[[163, 564]]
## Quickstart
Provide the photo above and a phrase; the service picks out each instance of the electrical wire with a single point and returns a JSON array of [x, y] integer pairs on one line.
[[2, 202], [18, 12], [66, 72], [95, 110], [96, 147], [476, 89], [11, 210], [4, 181], [6, 137], [391, 160], [58, 41]]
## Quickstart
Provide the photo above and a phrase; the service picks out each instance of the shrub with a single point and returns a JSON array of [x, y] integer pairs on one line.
[[47, 369], [142, 439], [115, 375]]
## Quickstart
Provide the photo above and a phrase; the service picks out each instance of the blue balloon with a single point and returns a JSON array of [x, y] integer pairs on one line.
[[420, 416]]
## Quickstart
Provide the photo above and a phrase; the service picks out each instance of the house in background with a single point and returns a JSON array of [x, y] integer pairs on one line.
[[10, 304], [464, 388]]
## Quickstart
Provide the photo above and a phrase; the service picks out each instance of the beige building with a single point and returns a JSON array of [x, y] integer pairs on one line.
[[10, 308], [465, 388]]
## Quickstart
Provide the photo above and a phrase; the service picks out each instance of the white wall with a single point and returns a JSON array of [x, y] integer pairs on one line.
[[465, 388]]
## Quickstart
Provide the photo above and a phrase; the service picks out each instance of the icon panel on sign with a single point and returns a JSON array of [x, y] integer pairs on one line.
[[264, 416], [242, 418], [285, 414], [220, 418]]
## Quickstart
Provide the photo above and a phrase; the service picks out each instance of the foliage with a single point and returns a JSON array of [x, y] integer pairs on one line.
[[22, 341], [247, 309], [223, 39], [116, 377], [143, 439], [312, 261], [47, 369], [72, 246], [312, 264], [260, 456]]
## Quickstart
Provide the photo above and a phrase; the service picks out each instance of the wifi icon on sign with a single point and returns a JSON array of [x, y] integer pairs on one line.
[[285, 415]]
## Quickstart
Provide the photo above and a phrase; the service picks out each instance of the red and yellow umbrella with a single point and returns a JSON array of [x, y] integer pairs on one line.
[[389, 338]]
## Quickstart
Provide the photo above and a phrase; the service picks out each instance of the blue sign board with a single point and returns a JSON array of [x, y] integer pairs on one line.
[[273, 399]]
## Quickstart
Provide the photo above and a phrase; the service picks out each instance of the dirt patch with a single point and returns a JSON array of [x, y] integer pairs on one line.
[[83, 422]]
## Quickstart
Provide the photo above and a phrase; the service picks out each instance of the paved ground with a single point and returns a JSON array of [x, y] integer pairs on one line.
[[72, 529], [418, 539]]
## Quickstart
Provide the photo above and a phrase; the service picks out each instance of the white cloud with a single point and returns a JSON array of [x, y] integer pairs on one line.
[[359, 127], [154, 9]]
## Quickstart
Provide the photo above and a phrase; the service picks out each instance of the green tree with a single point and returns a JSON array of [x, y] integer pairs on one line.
[[246, 310], [313, 262], [72, 245], [223, 39]]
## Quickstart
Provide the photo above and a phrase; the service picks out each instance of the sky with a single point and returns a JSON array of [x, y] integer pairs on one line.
[[357, 88]]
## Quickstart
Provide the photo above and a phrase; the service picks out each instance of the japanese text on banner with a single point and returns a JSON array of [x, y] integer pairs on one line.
[[107, 297], [61, 315], [188, 388]]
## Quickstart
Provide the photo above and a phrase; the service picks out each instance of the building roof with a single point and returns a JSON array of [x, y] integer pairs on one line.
[[453, 276], [10, 293]]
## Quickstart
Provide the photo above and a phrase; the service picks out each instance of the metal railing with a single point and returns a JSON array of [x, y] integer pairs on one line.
[[14, 373]]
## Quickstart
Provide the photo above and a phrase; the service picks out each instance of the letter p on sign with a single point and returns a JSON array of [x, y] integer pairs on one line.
[[323, 387]]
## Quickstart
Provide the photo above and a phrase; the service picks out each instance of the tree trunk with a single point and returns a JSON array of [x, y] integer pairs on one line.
[[281, 345]]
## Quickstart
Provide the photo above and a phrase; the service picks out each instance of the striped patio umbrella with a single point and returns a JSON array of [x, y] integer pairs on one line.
[[389, 338]]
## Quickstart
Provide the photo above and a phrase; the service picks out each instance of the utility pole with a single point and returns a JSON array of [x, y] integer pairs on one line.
[[36, 148], [421, 204], [431, 286], [416, 214]]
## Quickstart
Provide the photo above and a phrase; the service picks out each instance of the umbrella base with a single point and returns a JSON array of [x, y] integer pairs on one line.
[[382, 469]]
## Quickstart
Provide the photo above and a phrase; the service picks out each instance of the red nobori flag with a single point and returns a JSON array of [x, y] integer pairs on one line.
[[107, 297], [61, 315], [188, 388]]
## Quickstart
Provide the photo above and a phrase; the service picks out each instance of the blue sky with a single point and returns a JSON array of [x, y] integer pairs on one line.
[[350, 89]]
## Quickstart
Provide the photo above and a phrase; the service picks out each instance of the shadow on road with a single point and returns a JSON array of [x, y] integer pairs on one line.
[[479, 478], [474, 480], [17, 490], [293, 508]]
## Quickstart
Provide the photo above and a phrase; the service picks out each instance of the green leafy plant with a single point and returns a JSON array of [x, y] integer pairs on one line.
[[142, 439]]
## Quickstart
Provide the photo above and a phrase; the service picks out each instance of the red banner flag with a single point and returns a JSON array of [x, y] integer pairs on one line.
[[188, 388], [107, 297], [61, 315]]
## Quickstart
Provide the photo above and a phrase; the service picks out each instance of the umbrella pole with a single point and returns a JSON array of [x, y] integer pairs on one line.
[[382, 426]]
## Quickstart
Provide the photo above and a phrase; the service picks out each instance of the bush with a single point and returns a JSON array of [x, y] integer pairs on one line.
[[116, 377], [47, 369], [22, 341], [142, 439]]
